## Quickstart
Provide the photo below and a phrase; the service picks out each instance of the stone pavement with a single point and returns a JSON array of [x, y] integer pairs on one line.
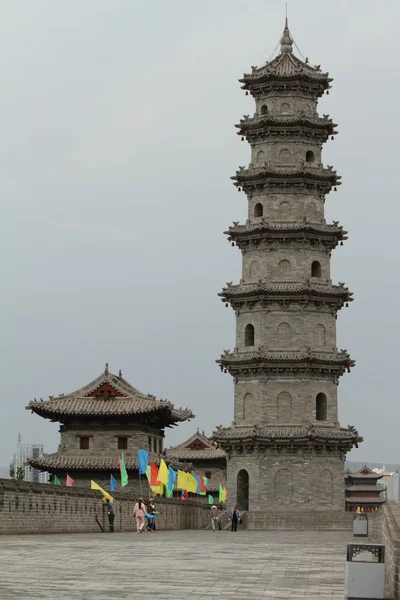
[[174, 565]]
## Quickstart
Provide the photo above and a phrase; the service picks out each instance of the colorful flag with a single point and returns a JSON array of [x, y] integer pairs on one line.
[[143, 461], [158, 489], [182, 481], [210, 499], [163, 473], [224, 494], [153, 474], [171, 479], [207, 485], [124, 474], [185, 495], [197, 478], [69, 482], [192, 483], [169, 491], [203, 487], [113, 484], [106, 495], [220, 493], [56, 480]]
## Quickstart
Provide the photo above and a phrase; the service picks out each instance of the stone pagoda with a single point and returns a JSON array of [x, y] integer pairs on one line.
[[285, 447], [99, 422]]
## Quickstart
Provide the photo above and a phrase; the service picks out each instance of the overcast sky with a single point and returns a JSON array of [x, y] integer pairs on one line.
[[117, 147]]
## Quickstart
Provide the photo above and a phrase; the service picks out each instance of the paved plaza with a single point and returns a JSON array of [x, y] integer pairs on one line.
[[174, 565]]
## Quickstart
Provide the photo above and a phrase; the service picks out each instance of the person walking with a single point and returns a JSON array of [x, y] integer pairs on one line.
[[138, 512], [111, 514], [151, 516], [214, 517], [235, 516]]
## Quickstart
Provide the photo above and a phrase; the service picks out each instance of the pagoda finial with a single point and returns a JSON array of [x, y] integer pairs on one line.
[[106, 369], [286, 39]]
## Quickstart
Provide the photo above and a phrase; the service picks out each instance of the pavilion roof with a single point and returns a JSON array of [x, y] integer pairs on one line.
[[364, 473], [307, 432], [109, 395], [373, 487], [364, 500], [197, 447], [62, 462]]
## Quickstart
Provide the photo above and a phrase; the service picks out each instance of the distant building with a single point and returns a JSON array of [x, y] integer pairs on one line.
[[101, 421], [363, 490], [206, 458], [24, 453]]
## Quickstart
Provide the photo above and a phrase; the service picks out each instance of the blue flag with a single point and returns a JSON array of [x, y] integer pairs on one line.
[[143, 461], [171, 478], [113, 484], [197, 478]]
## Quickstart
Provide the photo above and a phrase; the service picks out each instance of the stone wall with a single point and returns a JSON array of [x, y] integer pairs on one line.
[[45, 508], [384, 527], [306, 520]]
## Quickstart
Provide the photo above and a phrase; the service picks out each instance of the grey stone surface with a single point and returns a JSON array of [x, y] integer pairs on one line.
[[174, 565]]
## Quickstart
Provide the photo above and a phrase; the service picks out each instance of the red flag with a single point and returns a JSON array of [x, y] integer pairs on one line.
[[185, 495], [69, 481], [153, 474]]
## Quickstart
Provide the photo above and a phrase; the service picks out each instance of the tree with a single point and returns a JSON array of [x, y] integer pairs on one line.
[[12, 471], [20, 474]]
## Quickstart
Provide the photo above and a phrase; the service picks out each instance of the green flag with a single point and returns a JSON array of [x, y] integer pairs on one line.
[[210, 500], [56, 480], [124, 474], [221, 493], [168, 491]]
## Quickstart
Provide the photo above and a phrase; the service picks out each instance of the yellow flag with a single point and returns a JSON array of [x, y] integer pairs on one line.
[[163, 473], [224, 494], [192, 483], [158, 489], [106, 495], [182, 481]]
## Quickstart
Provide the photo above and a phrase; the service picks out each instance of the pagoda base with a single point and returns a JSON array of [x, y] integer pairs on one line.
[[299, 520]]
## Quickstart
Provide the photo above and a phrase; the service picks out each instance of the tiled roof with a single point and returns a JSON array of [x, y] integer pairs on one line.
[[261, 121], [185, 452], [123, 400], [292, 433], [305, 227], [262, 355], [262, 287], [365, 488], [62, 462], [264, 172], [286, 66], [364, 500]]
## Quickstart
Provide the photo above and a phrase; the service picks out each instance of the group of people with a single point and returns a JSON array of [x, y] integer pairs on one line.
[[234, 518], [141, 511]]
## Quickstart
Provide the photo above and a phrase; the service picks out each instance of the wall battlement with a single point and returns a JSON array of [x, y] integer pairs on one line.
[[45, 508]]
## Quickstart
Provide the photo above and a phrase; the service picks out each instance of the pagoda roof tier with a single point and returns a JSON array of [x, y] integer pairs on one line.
[[364, 500], [364, 473], [365, 488], [61, 462], [110, 396], [272, 176], [197, 447], [263, 291], [263, 360], [263, 126], [331, 234], [303, 433]]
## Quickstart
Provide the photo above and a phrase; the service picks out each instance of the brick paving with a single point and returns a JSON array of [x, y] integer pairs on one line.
[[174, 565]]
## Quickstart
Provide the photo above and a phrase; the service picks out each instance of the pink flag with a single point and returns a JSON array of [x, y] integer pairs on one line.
[[69, 481], [119, 464]]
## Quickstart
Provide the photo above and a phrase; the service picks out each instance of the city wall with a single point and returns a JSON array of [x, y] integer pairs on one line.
[[384, 527], [46, 508]]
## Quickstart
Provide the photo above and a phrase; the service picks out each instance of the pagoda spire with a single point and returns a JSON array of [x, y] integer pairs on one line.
[[286, 39]]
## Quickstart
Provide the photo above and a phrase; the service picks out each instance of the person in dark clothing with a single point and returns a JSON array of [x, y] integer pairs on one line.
[[235, 516], [151, 510], [110, 514]]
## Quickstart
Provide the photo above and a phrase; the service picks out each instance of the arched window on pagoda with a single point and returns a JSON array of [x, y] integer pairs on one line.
[[258, 210], [310, 157], [321, 408], [264, 109], [260, 157], [249, 335], [316, 269]]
